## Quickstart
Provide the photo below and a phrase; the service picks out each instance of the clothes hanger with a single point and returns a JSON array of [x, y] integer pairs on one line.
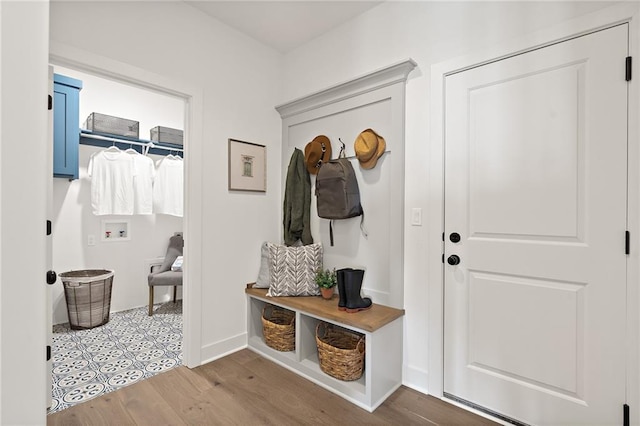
[[130, 150], [113, 148]]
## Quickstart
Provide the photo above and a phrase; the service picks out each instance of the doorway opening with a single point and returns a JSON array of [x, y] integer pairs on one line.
[[132, 345]]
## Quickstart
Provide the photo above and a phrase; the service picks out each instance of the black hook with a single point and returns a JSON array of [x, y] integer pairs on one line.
[[341, 148]]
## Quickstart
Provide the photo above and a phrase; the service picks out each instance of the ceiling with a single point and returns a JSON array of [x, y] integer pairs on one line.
[[283, 25]]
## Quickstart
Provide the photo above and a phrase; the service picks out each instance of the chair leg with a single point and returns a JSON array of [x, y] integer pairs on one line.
[[175, 291], [150, 300]]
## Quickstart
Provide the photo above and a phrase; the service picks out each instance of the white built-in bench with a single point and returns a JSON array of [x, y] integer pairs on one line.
[[381, 325]]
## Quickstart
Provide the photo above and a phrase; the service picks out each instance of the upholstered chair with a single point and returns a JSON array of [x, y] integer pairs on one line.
[[163, 275]]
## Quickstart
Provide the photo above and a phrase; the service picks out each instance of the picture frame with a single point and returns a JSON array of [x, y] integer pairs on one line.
[[247, 166]]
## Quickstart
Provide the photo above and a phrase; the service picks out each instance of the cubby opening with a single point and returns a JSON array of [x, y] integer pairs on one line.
[[381, 327], [256, 332]]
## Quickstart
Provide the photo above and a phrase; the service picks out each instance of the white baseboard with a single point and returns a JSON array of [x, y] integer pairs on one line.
[[220, 349], [416, 379]]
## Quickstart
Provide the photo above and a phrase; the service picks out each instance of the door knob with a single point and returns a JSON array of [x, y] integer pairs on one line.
[[51, 277], [454, 237], [454, 259]]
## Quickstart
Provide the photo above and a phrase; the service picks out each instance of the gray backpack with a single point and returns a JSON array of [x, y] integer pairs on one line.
[[337, 192]]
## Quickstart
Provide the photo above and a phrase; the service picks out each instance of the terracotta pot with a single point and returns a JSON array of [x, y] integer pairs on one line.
[[327, 293]]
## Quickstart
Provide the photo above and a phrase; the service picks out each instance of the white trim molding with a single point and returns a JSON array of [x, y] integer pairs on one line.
[[396, 73], [383, 85], [81, 60], [222, 348]]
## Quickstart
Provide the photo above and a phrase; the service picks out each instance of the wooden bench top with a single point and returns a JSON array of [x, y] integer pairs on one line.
[[369, 320]]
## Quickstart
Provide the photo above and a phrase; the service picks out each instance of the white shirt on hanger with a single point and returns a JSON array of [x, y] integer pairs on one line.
[[142, 182], [112, 172], [168, 186]]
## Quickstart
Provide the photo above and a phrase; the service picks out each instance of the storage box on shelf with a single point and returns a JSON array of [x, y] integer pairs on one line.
[[167, 135], [103, 123], [380, 325]]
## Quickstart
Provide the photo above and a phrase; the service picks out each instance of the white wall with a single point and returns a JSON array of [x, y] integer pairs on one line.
[[110, 97], [240, 79], [23, 176], [242, 83], [428, 32], [73, 220]]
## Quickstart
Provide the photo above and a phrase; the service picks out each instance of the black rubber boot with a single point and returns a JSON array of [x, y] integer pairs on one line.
[[342, 303], [353, 285]]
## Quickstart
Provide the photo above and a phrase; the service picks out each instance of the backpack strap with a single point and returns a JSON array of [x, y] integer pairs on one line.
[[331, 231], [362, 228]]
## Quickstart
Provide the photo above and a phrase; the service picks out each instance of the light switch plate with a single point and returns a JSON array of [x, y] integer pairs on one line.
[[416, 216]]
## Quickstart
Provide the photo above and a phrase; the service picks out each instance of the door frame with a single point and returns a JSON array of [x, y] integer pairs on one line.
[[605, 18], [81, 60]]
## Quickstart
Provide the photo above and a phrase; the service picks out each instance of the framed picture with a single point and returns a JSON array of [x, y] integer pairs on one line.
[[247, 166]]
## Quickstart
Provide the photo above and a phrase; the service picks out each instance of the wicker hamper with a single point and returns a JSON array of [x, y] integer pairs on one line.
[[341, 351], [279, 328], [88, 296]]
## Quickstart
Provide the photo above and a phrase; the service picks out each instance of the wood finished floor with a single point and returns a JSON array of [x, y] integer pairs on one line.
[[247, 389]]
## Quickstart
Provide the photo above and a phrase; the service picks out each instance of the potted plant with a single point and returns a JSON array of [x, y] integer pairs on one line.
[[326, 280]]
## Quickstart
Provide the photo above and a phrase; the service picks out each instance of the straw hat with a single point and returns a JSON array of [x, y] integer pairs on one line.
[[369, 146], [316, 152]]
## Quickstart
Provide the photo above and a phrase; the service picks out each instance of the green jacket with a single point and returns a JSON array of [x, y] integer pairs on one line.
[[297, 202]]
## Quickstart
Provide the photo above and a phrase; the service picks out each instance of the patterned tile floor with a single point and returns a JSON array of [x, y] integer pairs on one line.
[[130, 347]]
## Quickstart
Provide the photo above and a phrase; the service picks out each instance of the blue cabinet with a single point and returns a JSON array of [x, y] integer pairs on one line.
[[66, 126]]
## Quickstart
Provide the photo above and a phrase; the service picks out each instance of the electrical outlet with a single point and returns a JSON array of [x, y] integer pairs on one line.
[[91, 240]]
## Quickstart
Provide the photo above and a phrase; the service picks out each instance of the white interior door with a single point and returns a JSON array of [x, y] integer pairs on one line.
[[535, 184], [49, 252]]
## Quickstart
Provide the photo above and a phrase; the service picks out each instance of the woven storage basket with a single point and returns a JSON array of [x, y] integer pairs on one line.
[[279, 328], [88, 296], [341, 352]]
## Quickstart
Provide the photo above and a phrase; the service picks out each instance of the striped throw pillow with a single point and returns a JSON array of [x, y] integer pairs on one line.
[[292, 270]]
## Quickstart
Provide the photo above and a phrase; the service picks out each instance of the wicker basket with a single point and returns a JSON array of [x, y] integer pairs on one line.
[[88, 296], [278, 328], [341, 352]]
